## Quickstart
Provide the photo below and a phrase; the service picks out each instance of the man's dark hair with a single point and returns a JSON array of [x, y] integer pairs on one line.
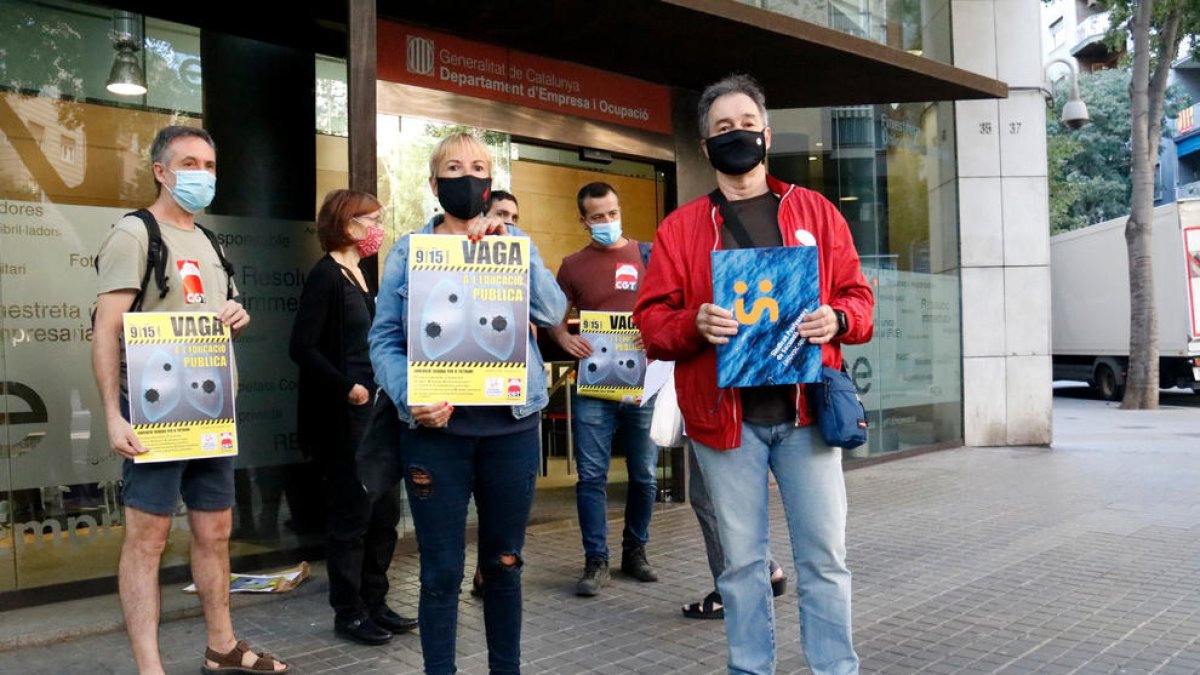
[[499, 196], [168, 135], [594, 190], [731, 84]]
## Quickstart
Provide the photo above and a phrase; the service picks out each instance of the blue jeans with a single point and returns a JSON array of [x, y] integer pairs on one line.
[[702, 506], [440, 472], [809, 474], [594, 423]]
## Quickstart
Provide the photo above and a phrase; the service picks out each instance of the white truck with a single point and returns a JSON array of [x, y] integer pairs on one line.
[[1089, 274]]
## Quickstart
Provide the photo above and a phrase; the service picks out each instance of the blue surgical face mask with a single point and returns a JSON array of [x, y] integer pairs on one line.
[[194, 190], [606, 234]]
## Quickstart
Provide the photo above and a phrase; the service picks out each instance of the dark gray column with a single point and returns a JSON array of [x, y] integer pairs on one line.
[[360, 70], [693, 174], [260, 108]]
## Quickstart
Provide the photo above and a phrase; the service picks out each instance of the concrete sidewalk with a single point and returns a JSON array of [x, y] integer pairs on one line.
[[1080, 559]]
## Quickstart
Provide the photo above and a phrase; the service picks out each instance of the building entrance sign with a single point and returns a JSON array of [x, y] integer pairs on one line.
[[434, 60]]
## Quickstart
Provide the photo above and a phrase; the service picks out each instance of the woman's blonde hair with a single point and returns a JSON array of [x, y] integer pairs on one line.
[[456, 140]]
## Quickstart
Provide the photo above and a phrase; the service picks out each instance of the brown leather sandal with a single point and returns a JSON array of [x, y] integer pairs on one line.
[[234, 661]]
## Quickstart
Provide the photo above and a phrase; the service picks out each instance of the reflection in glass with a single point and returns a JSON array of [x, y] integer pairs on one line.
[[333, 116], [919, 27], [127, 77], [890, 170], [73, 159], [405, 144]]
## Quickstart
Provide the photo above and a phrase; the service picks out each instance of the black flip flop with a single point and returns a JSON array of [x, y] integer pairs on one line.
[[709, 608]]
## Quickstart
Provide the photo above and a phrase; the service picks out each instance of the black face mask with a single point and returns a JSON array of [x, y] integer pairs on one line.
[[736, 152], [463, 197]]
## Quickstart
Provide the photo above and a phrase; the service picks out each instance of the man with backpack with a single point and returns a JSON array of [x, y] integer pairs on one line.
[[189, 273]]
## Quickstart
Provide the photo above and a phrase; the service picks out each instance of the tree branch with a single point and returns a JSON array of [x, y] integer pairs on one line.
[[1169, 45]]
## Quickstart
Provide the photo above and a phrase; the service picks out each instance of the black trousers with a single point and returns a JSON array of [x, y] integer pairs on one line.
[[361, 538]]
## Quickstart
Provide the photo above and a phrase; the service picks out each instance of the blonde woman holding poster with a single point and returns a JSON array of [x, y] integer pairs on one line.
[[453, 452]]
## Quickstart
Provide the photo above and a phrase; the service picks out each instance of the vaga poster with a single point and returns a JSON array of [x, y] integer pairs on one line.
[[468, 317], [768, 290], [616, 370], [181, 389]]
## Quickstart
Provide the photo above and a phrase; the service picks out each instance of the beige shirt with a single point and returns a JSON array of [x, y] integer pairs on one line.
[[195, 278]]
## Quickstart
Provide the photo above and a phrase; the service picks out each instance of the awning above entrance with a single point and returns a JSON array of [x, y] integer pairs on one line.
[[690, 43]]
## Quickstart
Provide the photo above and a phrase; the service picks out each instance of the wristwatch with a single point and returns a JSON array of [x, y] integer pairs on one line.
[[843, 323]]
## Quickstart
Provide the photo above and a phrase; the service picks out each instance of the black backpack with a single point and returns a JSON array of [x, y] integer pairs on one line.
[[156, 260]]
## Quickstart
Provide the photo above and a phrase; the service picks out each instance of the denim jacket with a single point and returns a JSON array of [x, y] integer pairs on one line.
[[389, 332]]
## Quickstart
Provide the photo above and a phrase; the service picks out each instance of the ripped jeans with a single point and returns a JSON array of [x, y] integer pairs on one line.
[[440, 473]]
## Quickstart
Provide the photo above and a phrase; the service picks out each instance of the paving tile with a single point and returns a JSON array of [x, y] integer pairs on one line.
[[1082, 559]]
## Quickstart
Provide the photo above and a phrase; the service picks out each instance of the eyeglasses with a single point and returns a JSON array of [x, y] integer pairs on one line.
[[377, 220]]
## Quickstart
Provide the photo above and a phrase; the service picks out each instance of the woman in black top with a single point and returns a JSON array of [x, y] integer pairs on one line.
[[329, 342]]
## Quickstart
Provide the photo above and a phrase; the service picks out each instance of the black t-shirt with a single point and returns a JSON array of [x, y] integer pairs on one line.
[[488, 420], [359, 312], [760, 216]]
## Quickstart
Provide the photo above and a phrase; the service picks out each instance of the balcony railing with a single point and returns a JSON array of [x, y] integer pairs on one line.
[[1091, 31]]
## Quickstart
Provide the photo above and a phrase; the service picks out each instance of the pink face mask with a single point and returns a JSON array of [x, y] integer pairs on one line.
[[370, 244]]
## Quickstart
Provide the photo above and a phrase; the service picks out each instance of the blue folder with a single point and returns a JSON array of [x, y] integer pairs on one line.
[[768, 290]]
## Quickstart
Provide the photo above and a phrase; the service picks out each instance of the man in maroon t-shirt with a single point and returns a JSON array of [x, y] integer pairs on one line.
[[604, 277]]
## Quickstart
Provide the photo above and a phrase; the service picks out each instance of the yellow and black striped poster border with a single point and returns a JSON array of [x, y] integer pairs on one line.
[[606, 389], [183, 425], [176, 340], [468, 364], [611, 331], [481, 269]]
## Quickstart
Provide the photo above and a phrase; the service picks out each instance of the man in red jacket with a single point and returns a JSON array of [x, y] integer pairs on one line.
[[739, 435]]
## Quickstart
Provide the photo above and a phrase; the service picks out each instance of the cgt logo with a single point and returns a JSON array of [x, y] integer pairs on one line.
[[762, 305], [35, 415], [514, 388], [626, 277], [193, 284], [420, 55]]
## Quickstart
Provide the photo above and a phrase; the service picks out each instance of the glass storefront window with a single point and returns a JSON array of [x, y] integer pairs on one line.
[[172, 54], [405, 144], [920, 27], [333, 128], [890, 171], [65, 50], [74, 158], [333, 117]]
